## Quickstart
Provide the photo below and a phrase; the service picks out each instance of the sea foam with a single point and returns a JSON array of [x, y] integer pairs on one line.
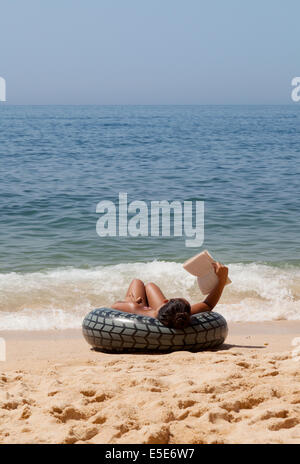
[[61, 297]]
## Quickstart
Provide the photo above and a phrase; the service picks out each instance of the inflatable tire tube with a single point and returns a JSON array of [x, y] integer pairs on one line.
[[107, 329]]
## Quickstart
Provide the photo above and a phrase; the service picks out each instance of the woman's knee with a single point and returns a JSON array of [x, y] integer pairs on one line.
[[137, 282], [150, 285]]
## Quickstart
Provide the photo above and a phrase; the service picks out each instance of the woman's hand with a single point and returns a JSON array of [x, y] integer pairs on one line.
[[221, 271], [212, 299]]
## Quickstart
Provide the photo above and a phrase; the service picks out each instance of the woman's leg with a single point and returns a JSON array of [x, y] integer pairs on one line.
[[136, 292], [135, 301], [155, 296]]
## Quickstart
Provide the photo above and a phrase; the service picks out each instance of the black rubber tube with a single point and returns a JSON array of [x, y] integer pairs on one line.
[[107, 329]]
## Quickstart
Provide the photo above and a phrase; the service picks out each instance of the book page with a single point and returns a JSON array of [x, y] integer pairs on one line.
[[201, 266], [208, 282]]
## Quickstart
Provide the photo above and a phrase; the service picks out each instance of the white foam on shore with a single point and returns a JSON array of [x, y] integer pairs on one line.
[[60, 298]]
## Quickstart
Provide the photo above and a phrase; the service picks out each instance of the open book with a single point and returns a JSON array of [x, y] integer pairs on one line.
[[201, 267]]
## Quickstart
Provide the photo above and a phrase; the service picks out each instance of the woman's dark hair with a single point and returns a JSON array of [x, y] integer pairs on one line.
[[176, 313]]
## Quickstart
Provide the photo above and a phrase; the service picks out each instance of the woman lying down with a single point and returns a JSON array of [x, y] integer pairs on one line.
[[148, 300]]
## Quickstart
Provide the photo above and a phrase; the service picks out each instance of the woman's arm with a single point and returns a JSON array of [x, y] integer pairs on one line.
[[212, 299]]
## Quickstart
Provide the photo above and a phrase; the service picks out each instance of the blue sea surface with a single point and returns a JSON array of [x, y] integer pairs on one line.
[[58, 162]]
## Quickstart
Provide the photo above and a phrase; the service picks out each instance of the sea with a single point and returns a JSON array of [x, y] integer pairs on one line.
[[58, 162]]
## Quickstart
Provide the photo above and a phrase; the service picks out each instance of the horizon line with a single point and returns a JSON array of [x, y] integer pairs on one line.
[[148, 104]]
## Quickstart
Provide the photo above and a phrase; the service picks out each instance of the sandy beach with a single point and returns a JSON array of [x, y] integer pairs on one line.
[[149, 164], [54, 389]]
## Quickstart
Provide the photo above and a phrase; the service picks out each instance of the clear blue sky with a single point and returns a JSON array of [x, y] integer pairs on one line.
[[149, 51]]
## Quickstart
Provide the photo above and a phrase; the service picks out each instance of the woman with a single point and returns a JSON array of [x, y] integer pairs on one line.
[[148, 300]]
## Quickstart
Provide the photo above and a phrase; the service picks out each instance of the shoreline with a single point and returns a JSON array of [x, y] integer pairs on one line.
[[55, 389], [274, 336]]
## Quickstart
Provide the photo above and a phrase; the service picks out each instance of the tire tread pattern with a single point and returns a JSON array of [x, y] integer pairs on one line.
[[109, 330]]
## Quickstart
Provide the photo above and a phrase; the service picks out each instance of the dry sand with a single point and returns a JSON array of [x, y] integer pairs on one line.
[[54, 389]]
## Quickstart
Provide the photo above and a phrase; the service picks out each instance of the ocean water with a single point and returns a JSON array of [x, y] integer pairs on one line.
[[58, 162]]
